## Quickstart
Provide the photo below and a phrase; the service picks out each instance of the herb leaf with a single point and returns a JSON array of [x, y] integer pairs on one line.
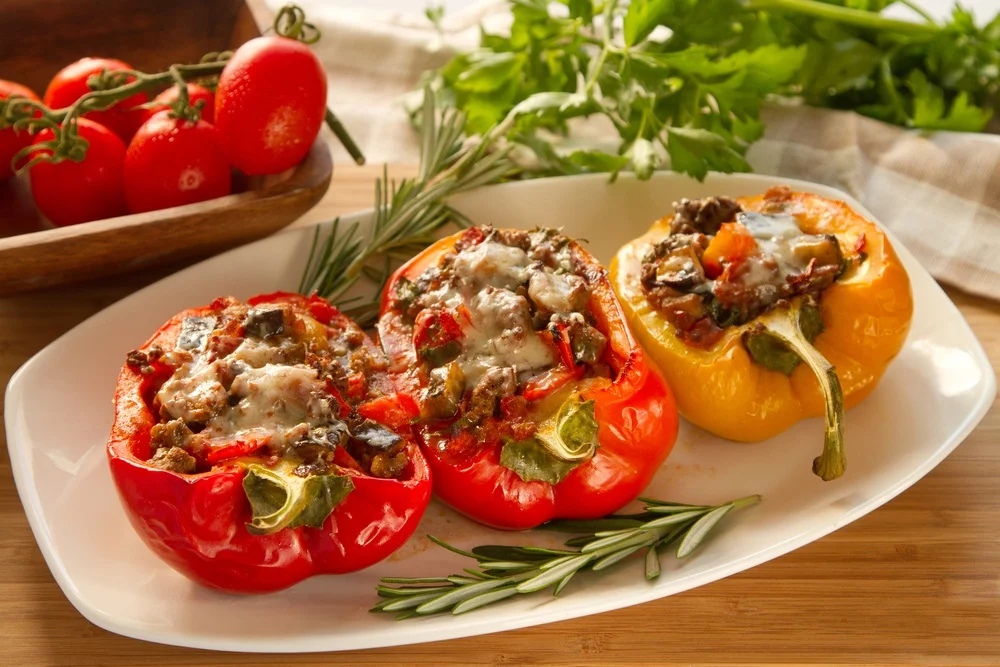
[[696, 95], [507, 571], [408, 213], [641, 18]]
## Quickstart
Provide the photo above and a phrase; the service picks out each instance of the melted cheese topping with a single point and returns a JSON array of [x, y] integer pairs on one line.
[[501, 334], [775, 236], [267, 399], [494, 282]]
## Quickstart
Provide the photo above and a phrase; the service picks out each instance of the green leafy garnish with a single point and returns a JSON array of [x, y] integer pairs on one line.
[[533, 462], [505, 571], [281, 499], [690, 95]]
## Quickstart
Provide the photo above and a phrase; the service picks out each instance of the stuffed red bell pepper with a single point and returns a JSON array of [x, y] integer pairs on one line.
[[531, 397], [257, 444]]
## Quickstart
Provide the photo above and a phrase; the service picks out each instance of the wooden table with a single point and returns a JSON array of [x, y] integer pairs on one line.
[[917, 581]]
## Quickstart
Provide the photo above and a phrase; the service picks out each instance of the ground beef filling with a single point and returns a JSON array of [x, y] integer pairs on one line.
[[782, 262], [504, 310], [270, 383]]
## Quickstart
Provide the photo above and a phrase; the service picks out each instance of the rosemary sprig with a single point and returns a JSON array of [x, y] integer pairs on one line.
[[408, 213], [505, 571]]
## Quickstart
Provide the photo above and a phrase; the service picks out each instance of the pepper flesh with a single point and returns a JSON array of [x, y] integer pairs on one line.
[[866, 315], [635, 412], [197, 522]]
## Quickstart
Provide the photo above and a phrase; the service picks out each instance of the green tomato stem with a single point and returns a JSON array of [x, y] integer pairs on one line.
[[784, 324]]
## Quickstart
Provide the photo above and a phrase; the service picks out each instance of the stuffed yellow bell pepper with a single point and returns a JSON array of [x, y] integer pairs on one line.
[[731, 296]]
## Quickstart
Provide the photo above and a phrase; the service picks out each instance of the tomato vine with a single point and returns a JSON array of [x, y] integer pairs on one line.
[[110, 87]]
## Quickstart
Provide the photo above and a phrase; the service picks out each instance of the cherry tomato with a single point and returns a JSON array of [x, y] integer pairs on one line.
[[69, 192], [172, 162], [270, 104], [195, 94], [11, 141], [70, 84]]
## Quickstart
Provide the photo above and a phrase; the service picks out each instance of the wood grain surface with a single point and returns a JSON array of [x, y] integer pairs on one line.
[[915, 582]]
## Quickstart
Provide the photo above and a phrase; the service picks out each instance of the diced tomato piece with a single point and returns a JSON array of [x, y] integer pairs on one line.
[[356, 385], [321, 309], [561, 340], [232, 450], [393, 410], [732, 245], [433, 329], [539, 387]]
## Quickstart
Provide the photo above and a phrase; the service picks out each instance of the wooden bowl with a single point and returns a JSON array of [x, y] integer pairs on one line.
[[45, 35]]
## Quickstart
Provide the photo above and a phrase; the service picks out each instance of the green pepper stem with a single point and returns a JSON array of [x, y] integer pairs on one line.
[[784, 323], [280, 499]]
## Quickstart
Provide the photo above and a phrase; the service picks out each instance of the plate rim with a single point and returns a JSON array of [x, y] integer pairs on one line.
[[31, 501]]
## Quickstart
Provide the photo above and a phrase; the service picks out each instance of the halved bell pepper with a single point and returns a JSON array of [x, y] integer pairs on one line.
[[865, 316], [628, 415], [234, 515]]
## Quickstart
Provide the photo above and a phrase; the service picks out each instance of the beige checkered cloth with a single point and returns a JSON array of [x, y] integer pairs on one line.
[[939, 193]]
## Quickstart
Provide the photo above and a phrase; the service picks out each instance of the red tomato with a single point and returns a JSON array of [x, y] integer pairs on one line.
[[270, 104], [172, 162], [71, 192], [11, 141], [70, 84], [195, 93]]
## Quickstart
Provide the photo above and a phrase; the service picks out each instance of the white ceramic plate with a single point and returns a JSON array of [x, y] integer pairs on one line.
[[59, 413]]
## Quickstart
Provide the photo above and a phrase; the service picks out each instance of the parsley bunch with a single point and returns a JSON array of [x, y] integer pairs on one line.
[[685, 80]]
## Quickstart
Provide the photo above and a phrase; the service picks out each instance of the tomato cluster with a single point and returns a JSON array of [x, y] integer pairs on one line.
[[262, 118]]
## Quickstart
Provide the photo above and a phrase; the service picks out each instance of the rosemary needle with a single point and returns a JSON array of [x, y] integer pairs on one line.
[[408, 213], [505, 571]]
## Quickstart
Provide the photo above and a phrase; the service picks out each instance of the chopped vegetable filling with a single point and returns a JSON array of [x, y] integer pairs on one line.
[[503, 312], [270, 382], [722, 266]]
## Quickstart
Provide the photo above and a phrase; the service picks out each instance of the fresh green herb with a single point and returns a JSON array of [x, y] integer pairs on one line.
[[408, 214], [505, 571], [684, 80]]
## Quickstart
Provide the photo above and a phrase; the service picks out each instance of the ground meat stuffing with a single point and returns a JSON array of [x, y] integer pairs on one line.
[[703, 216], [267, 382], [501, 310], [779, 262], [174, 459]]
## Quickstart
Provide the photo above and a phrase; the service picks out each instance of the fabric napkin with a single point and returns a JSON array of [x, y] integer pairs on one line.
[[938, 192]]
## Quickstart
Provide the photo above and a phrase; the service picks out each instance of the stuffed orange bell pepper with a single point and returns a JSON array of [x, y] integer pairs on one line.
[[731, 296]]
